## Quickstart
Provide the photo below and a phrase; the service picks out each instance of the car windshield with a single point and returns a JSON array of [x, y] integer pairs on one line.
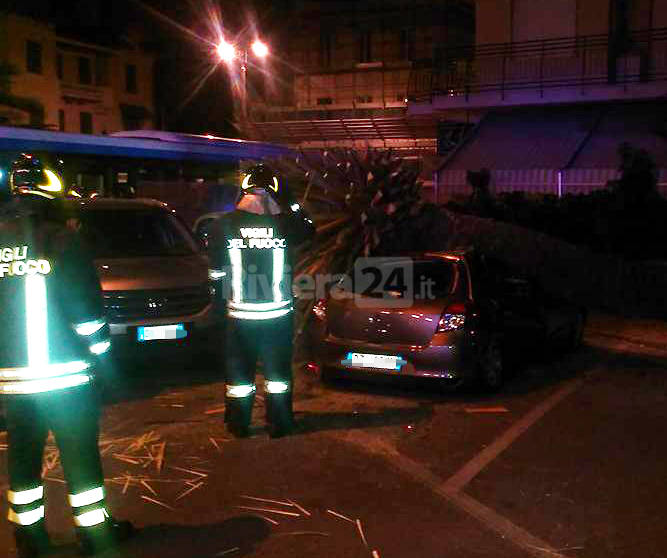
[[133, 233], [429, 278]]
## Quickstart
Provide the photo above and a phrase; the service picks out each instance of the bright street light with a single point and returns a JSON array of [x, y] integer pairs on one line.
[[259, 49], [226, 51]]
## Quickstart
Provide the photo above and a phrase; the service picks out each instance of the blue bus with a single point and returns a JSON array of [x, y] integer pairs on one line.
[[195, 174]]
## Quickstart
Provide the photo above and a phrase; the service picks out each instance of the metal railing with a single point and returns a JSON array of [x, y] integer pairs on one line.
[[454, 184], [541, 64]]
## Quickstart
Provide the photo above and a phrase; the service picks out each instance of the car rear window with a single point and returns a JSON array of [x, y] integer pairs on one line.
[[439, 274], [133, 233], [430, 278]]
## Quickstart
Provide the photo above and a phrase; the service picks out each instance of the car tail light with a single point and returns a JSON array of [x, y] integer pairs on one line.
[[313, 367], [320, 309], [452, 318]]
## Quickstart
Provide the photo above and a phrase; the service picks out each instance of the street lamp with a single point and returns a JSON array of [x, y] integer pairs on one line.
[[228, 52], [259, 49]]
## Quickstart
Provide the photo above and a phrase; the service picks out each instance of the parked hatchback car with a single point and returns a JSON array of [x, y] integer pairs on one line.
[[153, 274], [477, 316]]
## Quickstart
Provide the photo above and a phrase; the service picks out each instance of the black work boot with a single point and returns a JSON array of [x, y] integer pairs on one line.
[[32, 541], [238, 413], [97, 539], [279, 414]]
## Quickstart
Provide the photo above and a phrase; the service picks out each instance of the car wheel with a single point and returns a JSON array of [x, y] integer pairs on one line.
[[576, 332], [490, 365], [327, 377]]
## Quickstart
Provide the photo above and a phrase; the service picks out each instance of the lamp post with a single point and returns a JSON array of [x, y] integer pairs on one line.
[[229, 53]]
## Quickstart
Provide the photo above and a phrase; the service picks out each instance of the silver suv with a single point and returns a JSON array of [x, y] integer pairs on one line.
[[154, 276]]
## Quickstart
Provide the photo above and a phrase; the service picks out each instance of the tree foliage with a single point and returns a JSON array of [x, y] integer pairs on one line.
[[363, 204]]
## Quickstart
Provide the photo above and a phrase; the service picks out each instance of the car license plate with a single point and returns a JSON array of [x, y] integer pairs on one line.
[[162, 332], [384, 362]]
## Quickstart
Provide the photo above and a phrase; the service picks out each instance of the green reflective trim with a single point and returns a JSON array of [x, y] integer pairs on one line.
[[277, 387], [23, 497], [237, 274], [43, 372], [237, 392], [88, 328], [215, 274], [36, 321], [100, 348], [260, 315], [278, 270], [41, 386], [91, 518], [258, 306], [87, 498], [26, 518]]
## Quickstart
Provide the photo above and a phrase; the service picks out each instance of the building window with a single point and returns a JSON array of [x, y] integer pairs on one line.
[[61, 120], [85, 73], [363, 99], [408, 44], [86, 123], [60, 66], [365, 46], [33, 57], [326, 42], [101, 70], [131, 78], [324, 101]]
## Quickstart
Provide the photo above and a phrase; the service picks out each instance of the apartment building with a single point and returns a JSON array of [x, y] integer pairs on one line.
[[342, 70], [553, 87], [60, 83]]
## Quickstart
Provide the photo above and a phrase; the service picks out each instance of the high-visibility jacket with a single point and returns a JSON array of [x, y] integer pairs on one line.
[[253, 256], [53, 326]]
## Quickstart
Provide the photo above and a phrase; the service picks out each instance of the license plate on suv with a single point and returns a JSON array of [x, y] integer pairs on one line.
[[162, 332], [383, 362]]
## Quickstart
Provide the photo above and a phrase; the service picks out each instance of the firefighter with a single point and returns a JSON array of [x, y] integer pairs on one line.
[[251, 249], [52, 336]]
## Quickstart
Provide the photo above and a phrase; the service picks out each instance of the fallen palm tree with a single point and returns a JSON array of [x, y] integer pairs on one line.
[[363, 204]]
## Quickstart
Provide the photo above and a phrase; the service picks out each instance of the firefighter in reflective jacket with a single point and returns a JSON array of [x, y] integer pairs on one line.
[[52, 335], [251, 249]]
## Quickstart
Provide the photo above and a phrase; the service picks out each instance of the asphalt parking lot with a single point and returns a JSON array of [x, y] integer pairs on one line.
[[568, 460]]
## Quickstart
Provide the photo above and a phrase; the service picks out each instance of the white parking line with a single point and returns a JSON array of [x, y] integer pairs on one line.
[[452, 489], [470, 470], [417, 472]]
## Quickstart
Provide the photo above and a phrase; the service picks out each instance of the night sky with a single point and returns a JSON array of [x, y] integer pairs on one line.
[[181, 60]]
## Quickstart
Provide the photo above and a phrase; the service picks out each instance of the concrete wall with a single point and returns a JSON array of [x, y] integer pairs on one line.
[[501, 21], [660, 13], [493, 21], [592, 17], [543, 19]]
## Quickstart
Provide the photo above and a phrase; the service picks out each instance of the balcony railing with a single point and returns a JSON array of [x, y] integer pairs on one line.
[[539, 65]]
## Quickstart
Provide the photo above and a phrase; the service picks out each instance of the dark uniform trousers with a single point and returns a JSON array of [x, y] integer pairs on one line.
[[72, 415], [269, 341]]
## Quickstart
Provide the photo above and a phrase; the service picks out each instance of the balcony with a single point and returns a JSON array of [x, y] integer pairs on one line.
[[570, 69], [84, 94]]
